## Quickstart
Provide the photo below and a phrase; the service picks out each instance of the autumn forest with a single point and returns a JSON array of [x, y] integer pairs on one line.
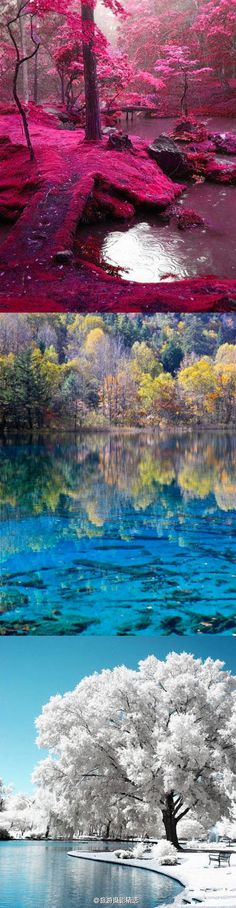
[[70, 372]]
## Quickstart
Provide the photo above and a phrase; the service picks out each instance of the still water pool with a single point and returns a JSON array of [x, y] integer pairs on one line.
[[150, 251], [42, 875], [119, 534]]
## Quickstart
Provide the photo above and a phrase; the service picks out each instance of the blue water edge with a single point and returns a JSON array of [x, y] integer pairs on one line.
[[42, 874]]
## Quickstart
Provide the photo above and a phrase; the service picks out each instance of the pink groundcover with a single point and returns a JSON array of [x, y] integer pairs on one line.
[[43, 202]]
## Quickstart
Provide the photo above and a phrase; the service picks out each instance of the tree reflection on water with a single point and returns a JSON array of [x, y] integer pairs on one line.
[[119, 533]]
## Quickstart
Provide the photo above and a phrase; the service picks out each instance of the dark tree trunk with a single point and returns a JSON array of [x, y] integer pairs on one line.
[[184, 102], [30, 420], [36, 78], [25, 74], [22, 112], [3, 435], [93, 130], [61, 74], [107, 833], [21, 62], [169, 820]]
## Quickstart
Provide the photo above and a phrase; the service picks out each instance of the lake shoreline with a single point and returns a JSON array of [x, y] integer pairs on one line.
[[42, 874], [196, 879], [114, 431]]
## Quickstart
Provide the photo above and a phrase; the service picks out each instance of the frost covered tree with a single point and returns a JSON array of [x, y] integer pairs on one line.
[[159, 741], [4, 834], [1, 796], [24, 816]]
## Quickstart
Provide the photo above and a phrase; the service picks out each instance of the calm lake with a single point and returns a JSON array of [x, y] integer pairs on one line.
[[119, 534], [148, 250], [42, 874]]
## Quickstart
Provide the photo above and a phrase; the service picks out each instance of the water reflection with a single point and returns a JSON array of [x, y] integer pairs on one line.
[[144, 252], [151, 251], [44, 875], [120, 534]]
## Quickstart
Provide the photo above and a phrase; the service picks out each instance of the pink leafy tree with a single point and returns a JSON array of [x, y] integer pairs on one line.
[[149, 87], [177, 61], [7, 57], [115, 74], [68, 62], [93, 44], [151, 25], [22, 56], [86, 35], [140, 41], [215, 30]]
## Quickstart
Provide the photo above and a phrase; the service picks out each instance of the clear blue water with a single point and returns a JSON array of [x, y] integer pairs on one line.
[[42, 875], [129, 534]]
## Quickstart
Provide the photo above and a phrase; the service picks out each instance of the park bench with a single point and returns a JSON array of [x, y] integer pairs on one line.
[[219, 857]]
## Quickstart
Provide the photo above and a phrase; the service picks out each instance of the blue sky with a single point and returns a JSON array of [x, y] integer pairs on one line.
[[32, 669]]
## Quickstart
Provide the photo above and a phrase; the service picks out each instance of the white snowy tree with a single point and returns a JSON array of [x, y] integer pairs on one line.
[[132, 746], [24, 816], [227, 825], [4, 834], [1, 795]]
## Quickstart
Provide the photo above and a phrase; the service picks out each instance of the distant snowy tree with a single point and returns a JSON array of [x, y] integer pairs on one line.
[[160, 741], [23, 815]]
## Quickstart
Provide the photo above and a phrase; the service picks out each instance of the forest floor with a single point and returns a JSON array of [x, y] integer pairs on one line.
[[209, 886], [44, 201]]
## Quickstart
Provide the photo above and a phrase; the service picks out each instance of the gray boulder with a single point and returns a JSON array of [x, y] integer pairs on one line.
[[169, 158]]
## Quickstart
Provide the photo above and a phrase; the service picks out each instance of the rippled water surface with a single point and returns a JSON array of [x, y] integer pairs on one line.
[[148, 250], [128, 534], [43, 875]]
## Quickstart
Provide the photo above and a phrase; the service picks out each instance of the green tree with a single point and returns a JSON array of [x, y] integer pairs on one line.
[[7, 395], [35, 382], [172, 357]]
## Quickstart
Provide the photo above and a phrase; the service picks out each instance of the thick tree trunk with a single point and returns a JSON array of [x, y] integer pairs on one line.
[[93, 120], [169, 820]]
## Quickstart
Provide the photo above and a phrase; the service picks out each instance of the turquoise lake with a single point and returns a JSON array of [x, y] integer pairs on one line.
[[41, 874], [119, 534]]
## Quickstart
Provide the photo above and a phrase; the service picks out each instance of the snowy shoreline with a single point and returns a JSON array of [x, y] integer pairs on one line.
[[197, 877]]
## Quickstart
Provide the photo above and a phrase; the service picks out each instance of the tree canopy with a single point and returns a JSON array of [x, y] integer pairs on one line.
[[76, 371], [137, 746]]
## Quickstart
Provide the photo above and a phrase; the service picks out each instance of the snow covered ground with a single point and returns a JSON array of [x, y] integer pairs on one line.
[[207, 885]]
